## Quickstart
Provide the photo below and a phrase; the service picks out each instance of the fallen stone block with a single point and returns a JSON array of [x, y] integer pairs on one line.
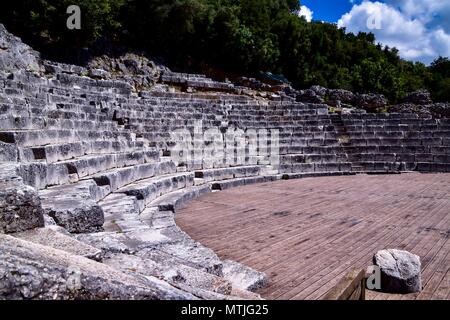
[[171, 272], [20, 207], [194, 254], [8, 152], [75, 215], [59, 238], [400, 271], [32, 271], [15, 55], [108, 242], [242, 277]]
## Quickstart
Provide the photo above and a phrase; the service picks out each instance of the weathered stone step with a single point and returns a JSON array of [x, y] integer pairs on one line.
[[120, 177], [32, 138], [118, 210], [243, 277], [433, 167], [150, 189], [382, 166], [227, 173], [58, 238], [170, 271], [8, 152], [57, 269], [174, 200], [232, 183], [191, 253], [20, 206], [25, 122], [316, 167], [74, 206], [325, 150], [90, 165], [301, 175], [312, 158], [41, 174]]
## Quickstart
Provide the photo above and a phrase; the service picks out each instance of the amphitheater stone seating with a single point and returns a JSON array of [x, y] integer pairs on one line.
[[94, 165], [196, 81]]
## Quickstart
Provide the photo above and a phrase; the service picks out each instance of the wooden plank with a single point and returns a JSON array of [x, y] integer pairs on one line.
[[351, 287], [324, 227]]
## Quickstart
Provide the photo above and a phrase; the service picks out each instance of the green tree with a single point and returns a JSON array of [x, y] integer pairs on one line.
[[230, 36]]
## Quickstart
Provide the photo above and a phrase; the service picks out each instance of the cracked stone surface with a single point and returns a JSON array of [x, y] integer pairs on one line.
[[33, 271], [15, 55], [20, 206], [400, 271]]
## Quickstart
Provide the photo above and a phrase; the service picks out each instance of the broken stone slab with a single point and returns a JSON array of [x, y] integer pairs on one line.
[[58, 238], [41, 175], [243, 277], [33, 271], [15, 55], [171, 272], [148, 237], [76, 215], [98, 74], [120, 177], [400, 271], [370, 102], [420, 97], [74, 206], [244, 294], [8, 152], [109, 242], [56, 68], [86, 189], [148, 190], [194, 254], [175, 200], [20, 206]]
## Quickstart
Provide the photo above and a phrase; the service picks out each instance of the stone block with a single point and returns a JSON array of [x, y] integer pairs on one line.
[[20, 206], [400, 271]]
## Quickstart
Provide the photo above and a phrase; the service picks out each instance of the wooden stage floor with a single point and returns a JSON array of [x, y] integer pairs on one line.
[[306, 234]]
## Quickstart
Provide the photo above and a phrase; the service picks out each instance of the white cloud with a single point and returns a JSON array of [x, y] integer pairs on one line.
[[433, 13], [306, 12], [419, 29]]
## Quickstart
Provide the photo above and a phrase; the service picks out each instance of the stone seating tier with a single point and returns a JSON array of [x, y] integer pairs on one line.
[[97, 153]]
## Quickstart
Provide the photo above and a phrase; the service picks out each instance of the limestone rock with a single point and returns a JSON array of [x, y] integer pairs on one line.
[[435, 110], [440, 110], [309, 96], [421, 97], [108, 242], [340, 96], [8, 152], [370, 102], [20, 207], [76, 215], [59, 238], [33, 271], [170, 271], [15, 55], [137, 68], [319, 90], [421, 110], [242, 277], [400, 271], [98, 74]]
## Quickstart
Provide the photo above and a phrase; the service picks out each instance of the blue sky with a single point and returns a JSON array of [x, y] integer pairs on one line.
[[328, 10], [420, 29]]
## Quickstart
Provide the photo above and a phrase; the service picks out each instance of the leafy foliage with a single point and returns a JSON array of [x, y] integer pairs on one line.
[[235, 36]]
